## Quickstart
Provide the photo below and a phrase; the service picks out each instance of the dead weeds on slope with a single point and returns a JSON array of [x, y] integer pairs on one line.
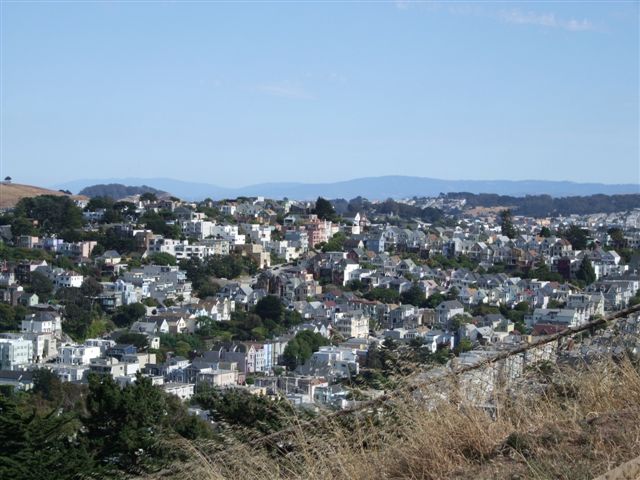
[[576, 423]]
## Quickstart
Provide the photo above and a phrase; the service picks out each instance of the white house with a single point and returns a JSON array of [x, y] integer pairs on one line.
[[68, 279], [15, 352], [447, 310], [77, 354], [184, 391], [564, 316], [42, 322], [352, 324]]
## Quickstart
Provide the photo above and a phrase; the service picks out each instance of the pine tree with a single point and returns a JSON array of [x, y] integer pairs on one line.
[[43, 446], [586, 273], [506, 222], [124, 425], [324, 209]]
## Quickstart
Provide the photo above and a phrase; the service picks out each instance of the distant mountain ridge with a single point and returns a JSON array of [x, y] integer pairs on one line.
[[374, 188], [118, 191]]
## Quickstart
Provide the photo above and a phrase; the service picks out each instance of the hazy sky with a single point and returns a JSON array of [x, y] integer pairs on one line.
[[242, 93]]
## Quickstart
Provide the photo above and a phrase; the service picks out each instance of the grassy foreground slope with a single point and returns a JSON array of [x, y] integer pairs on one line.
[[561, 424]]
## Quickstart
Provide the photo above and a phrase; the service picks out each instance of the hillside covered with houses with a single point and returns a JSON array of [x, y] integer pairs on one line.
[[235, 311]]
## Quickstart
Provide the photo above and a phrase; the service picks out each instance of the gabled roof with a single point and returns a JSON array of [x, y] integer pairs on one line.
[[450, 305]]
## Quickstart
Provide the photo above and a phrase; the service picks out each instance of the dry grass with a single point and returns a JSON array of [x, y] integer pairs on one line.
[[11, 194], [580, 424]]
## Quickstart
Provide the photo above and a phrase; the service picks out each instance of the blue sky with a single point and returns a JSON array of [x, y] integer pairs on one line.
[[241, 93]]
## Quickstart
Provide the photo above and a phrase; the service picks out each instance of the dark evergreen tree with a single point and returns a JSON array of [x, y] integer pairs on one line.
[[586, 273], [41, 446], [414, 296], [506, 224], [47, 384], [91, 287], [125, 426], [41, 286], [324, 209], [270, 307], [576, 236], [54, 214], [301, 347]]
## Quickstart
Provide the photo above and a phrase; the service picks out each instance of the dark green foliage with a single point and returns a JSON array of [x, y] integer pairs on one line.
[[384, 363], [497, 268], [441, 356], [576, 236], [125, 425], [270, 307], [186, 425], [616, 236], [115, 191], [238, 407], [463, 346], [208, 289], [54, 214], [301, 347], [180, 344], [586, 272], [423, 355], [40, 445], [63, 262], [162, 258], [384, 295], [97, 203], [389, 343], [462, 261], [516, 315], [356, 285], [546, 206], [157, 222], [91, 287], [553, 303], [358, 204], [542, 272], [434, 300], [414, 296], [200, 272], [335, 244], [148, 196], [11, 317], [408, 212], [77, 321], [113, 240], [136, 339], [47, 384], [41, 286], [324, 209], [113, 212], [22, 226], [79, 312], [506, 224], [458, 320], [545, 232], [116, 432], [452, 293], [375, 357], [484, 309], [125, 315]]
